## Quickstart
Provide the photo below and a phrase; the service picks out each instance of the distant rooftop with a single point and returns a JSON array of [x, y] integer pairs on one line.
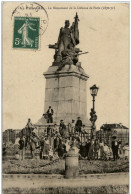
[[114, 126]]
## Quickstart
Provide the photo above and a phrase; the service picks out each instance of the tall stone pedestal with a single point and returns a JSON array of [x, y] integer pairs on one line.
[[66, 93]]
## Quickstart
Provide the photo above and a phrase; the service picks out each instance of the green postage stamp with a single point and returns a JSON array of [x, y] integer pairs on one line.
[[26, 32]]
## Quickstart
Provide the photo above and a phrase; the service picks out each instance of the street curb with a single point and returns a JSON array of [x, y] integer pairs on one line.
[[58, 176]]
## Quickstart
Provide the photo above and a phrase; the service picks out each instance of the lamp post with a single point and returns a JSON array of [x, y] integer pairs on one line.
[[94, 91]]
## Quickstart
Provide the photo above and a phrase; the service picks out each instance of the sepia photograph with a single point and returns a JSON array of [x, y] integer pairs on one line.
[[65, 97]]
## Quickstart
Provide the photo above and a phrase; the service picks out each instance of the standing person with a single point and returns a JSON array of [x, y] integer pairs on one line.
[[32, 148], [96, 149], [106, 151], [62, 128], [29, 128], [65, 131], [69, 128], [49, 131], [78, 125], [126, 151], [21, 148], [61, 125], [88, 144], [46, 148], [83, 134], [51, 153], [29, 125], [73, 127], [51, 139], [101, 149], [91, 150], [115, 148], [83, 150], [50, 113], [120, 151], [41, 148], [57, 141]]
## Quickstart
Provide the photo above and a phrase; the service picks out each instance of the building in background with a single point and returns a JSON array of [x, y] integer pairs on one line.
[[10, 135], [107, 131]]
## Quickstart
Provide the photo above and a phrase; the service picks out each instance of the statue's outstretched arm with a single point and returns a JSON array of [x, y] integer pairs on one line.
[[20, 29], [32, 28]]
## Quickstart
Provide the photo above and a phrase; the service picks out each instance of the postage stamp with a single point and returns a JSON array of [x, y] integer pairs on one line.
[[26, 32], [32, 9]]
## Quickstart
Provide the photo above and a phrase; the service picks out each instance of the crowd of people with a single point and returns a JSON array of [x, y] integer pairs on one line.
[[58, 139]]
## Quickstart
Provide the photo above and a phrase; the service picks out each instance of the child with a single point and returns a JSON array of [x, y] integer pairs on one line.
[[106, 152], [126, 151], [120, 150]]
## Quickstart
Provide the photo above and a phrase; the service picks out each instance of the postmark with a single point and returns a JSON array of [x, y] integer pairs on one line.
[[30, 23], [26, 32]]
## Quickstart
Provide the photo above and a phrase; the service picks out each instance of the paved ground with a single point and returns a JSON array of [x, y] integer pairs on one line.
[[35, 181]]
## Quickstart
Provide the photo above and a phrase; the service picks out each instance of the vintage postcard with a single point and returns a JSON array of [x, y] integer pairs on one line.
[[65, 104]]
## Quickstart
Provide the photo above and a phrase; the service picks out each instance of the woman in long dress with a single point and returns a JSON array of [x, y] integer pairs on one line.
[[24, 31], [46, 147], [101, 150]]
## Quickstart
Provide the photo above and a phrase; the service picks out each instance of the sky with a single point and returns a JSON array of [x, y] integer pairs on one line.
[[104, 33]]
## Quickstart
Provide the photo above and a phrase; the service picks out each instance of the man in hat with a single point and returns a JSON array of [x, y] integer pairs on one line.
[[88, 144], [62, 128], [115, 147], [50, 113], [57, 141], [78, 125], [21, 148], [71, 128], [41, 147]]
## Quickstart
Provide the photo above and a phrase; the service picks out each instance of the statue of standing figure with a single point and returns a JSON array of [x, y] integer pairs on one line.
[[65, 51]]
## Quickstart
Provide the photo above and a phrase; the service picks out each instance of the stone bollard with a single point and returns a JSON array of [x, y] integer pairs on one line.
[[72, 164], [17, 156], [37, 154], [28, 154]]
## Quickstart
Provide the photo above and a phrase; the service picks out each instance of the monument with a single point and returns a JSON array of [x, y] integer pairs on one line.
[[66, 90]]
